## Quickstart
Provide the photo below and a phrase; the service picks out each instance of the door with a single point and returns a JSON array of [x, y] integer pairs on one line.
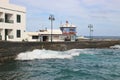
[[6, 33], [45, 38]]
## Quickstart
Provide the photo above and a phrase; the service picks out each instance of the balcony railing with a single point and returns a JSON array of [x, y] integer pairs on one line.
[[1, 20], [6, 21], [9, 21], [10, 36]]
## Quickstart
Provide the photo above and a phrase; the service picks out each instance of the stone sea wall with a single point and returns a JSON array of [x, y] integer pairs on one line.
[[9, 50]]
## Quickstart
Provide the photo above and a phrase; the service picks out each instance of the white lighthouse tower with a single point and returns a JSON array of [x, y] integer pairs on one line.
[[69, 31]]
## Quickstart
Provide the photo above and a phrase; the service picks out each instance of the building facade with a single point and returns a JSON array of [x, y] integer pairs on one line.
[[67, 32], [12, 21], [44, 36]]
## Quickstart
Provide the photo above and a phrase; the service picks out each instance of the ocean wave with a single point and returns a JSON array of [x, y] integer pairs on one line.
[[48, 54], [115, 47]]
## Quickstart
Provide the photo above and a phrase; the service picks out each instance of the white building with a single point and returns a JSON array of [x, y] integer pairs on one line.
[[12, 21], [44, 36], [67, 32]]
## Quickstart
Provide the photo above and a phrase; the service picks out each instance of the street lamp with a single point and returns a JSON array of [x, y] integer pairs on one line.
[[90, 26], [51, 18]]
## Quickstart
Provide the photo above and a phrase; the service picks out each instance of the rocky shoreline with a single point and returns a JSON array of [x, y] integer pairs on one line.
[[9, 50]]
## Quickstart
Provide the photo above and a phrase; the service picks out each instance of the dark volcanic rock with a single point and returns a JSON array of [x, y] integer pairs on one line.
[[9, 50]]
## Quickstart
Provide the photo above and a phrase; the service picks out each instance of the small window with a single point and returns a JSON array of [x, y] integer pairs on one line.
[[72, 29], [18, 33], [18, 18], [34, 37]]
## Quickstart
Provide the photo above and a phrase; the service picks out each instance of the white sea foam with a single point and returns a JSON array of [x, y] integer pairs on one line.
[[115, 47], [48, 54]]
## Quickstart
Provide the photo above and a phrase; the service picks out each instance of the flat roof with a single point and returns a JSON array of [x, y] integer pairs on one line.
[[48, 32], [12, 7]]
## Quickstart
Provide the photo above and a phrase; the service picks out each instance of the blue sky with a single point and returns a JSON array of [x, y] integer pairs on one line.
[[103, 14]]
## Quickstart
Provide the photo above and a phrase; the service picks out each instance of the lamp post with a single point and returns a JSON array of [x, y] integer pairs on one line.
[[90, 26], [51, 18]]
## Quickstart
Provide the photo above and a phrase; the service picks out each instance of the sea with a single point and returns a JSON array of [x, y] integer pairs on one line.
[[104, 37], [74, 64]]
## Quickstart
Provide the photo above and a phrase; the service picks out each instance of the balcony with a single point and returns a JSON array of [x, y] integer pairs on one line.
[[10, 37], [9, 18], [9, 21], [1, 20]]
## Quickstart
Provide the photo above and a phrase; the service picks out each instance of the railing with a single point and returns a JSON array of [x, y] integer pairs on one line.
[[1, 20], [9, 21], [6, 21], [10, 36]]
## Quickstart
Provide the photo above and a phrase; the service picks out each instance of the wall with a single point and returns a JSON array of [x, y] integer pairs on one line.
[[9, 50]]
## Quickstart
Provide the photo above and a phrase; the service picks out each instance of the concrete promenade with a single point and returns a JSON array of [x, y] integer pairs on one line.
[[9, 50]]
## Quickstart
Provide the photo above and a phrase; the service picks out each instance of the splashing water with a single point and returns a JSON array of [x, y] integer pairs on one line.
[[115, 47], [48, 54], [75, 64]]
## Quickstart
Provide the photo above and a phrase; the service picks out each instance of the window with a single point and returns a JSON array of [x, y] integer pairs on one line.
[[34, 37], [18, 18], [18, 33], [72, 29]]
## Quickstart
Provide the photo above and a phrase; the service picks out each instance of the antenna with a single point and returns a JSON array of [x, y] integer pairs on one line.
[[60, 23]]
